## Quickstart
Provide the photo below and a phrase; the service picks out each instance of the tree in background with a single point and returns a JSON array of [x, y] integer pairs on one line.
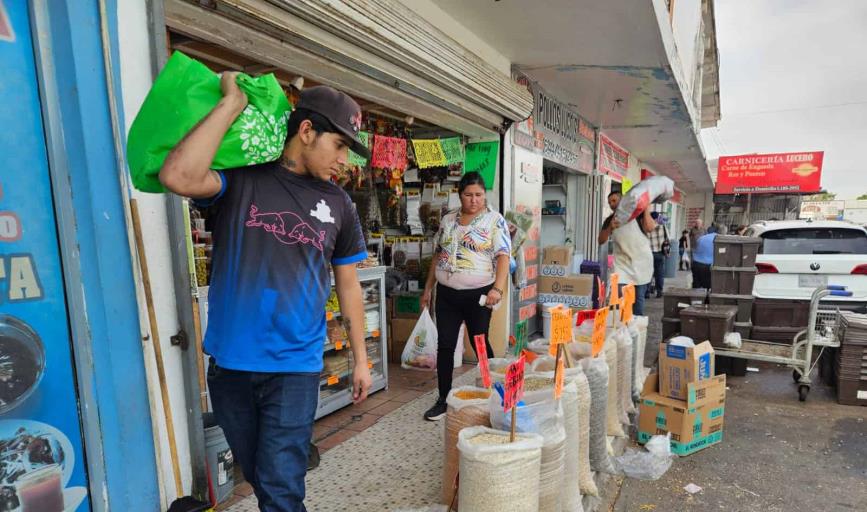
[[862, 197], [824, 196]]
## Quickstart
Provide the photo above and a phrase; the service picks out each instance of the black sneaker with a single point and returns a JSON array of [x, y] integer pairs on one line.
[[436, 412]]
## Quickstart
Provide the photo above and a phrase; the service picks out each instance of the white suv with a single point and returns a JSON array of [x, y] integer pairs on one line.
[[799, 255]]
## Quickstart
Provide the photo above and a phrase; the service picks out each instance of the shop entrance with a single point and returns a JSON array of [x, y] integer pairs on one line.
[[42, 460]]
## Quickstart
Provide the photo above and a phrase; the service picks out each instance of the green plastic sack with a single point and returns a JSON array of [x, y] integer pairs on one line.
[[183, 94]]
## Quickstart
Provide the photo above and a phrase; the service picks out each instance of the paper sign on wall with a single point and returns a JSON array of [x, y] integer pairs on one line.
[[428, 153], [389, 153], [355, 158], [482, 352], [599, 323], [482, 157], [514, 388]]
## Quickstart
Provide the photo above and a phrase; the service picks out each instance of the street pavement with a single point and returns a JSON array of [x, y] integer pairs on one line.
[[777, 454]]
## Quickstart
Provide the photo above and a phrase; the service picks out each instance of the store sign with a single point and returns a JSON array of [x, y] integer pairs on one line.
[[42, 464], [613, 159], [481, 157], [556, 131], [776, 173]]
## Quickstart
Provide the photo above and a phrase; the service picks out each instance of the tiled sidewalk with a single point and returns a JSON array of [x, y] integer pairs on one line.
[[405, 386]]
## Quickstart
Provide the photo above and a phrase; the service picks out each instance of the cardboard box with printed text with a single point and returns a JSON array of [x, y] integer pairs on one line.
[[694, 424], [681, 366]]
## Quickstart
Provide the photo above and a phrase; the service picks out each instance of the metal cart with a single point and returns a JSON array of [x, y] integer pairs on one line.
[[821, 332]]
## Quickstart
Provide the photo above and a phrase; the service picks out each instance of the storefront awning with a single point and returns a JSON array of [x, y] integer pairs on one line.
[[616, 62], [380, 51]]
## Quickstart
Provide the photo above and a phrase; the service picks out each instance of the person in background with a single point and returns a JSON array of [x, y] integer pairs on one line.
[[270, 281], [472, 254], [660, 246], [703, 257], [742, 230], [633, 259], [697, 231], [684, 249], [613, 202]]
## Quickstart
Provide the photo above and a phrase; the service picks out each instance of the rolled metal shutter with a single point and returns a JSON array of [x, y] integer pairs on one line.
[[377, 49]]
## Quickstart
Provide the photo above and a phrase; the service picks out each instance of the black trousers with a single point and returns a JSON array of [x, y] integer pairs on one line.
[[700, 275], [453, 308]]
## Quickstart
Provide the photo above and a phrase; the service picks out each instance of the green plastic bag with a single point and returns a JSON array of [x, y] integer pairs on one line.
[[183, 94]]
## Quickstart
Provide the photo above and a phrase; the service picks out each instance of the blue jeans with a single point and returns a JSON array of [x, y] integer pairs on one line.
[[638, 307], [659, 271], [268, 422]]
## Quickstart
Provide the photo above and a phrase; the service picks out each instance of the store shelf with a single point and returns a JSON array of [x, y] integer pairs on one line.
[[342, 390], [561, 186]]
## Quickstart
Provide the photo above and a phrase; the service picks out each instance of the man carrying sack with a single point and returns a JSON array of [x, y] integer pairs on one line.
[[277, 228]]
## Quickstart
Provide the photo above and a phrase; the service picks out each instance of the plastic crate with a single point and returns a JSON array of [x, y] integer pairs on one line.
[[781, 335], [670, 327], [777, 312], [734, 366], [708, 323], [672, 298], [744, 303], [735, 251], [745, 329], [852, 391], [732, 280]]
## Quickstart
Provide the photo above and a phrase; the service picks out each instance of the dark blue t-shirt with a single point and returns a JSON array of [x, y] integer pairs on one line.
[[275, 234]]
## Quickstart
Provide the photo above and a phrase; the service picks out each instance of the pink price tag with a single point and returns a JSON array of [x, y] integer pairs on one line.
[[482, 353], [514, 384]]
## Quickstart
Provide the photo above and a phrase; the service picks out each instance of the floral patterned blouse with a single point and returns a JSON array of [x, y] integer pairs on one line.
[[472, 249]]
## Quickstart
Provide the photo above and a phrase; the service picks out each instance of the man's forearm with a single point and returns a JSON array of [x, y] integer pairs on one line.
[[187, 166]]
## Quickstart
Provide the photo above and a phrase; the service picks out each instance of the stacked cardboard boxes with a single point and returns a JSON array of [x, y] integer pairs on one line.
[[557, 283], [684, 399]]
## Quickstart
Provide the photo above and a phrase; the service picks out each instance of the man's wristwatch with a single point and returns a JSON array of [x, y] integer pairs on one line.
[[494, 288]]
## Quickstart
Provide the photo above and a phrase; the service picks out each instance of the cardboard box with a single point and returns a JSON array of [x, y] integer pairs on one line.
[[681, 366], [694, 424], [406, 305], [556, 271], [557, 255], [400, 329], [574, 291]]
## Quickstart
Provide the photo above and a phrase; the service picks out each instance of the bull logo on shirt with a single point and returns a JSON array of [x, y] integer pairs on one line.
[[286, 227]]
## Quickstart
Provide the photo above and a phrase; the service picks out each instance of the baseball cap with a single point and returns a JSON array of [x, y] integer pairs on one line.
[[343, 112]]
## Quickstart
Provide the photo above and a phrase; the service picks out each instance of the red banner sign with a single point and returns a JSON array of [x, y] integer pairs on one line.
[[389, 153], [613, 159], [777, 173]]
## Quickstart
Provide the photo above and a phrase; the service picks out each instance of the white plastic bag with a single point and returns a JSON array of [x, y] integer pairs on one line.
[[624, 373], [613, 424], [498, 475], [596, 371], [420, 352], [649, 464], [585, 474], [640, 323], [655, 189], [467, 407]]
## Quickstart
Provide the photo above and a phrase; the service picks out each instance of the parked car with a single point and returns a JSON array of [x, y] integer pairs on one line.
[[798, 256]]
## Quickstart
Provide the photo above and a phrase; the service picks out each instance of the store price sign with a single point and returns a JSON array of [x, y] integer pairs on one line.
[[561, 328], [559, 378], [520, 336], [628, 302], [601, 286], [599, 323], [482, 353], [514, 384], [615, 289]]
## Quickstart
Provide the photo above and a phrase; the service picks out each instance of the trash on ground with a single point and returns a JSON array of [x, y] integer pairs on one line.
[[649, 464], [692, 488]]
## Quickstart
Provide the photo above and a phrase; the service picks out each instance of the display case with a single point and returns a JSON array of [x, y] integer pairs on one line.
[[335, 386]]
